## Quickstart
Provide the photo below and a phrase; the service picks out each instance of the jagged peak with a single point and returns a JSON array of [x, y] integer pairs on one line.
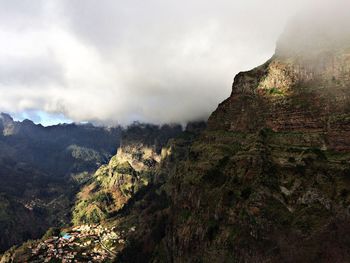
[[5, 117]]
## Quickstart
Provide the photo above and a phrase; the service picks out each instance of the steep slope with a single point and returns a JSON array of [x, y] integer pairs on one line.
[[129, 171], [18, 220], [41, 170], [268, 181], [105, 198]]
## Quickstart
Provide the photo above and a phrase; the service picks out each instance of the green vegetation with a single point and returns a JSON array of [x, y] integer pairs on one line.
[[274, 91], [52, 231]]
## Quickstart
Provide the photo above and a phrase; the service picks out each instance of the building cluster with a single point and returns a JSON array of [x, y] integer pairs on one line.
[[86, 243]]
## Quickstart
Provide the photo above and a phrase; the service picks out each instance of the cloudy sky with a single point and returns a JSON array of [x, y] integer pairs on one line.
[[113, 61]]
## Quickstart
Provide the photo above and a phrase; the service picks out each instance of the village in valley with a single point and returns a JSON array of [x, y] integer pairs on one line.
[[85, 243]]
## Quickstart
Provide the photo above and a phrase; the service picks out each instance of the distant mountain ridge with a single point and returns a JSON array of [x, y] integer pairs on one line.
[[45, 146]]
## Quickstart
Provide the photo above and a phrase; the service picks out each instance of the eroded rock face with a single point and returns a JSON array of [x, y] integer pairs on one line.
[[300, 93], [115, 183], [139, 156]]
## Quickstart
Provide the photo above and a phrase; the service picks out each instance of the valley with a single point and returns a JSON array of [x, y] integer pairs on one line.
[[265, 179]]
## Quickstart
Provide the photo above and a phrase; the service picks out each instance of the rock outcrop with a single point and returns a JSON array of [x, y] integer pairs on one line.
[[129, 171]]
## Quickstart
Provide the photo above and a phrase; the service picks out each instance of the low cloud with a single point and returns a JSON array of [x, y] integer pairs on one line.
[[117, 61]]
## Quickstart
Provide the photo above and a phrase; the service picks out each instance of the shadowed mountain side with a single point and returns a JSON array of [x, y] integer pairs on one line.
[[40, 171]]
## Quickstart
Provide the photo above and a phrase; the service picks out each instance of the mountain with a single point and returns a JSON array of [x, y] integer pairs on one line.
[[266, 181], [43, 168], [128, 175]]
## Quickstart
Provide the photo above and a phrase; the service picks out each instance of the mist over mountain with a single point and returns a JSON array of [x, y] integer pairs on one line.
[[115, 62], [264, 179]]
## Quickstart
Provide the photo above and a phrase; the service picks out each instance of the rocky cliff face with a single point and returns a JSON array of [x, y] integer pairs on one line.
[[290, 94], [268, 180], [114, 184]]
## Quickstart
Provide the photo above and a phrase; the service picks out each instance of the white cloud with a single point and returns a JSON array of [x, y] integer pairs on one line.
[[118, 61]]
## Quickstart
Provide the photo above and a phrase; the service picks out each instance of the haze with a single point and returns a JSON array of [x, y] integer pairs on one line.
[[114, 62]]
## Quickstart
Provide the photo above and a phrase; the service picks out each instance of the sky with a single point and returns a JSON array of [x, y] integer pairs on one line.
[[41, 117], [114, 62]]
